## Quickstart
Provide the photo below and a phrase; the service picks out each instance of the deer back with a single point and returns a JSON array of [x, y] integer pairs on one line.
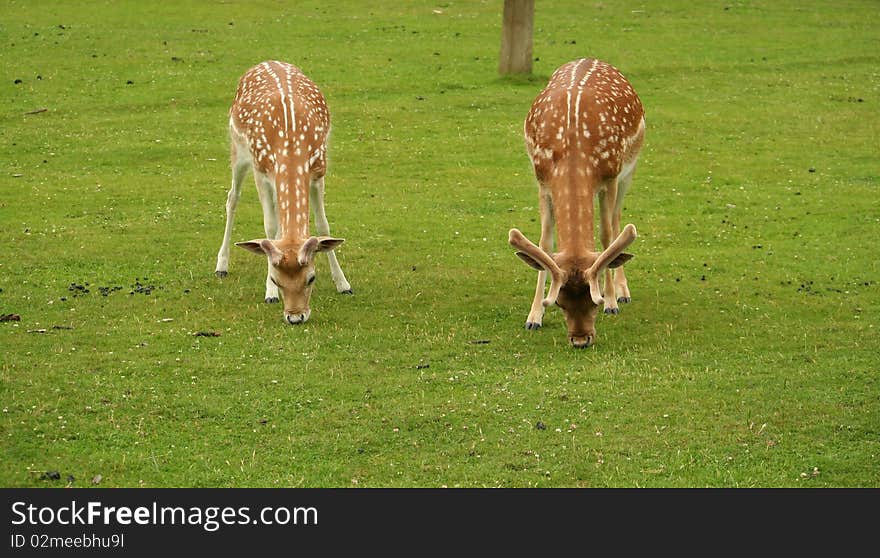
[[283, 116], [588, 120]]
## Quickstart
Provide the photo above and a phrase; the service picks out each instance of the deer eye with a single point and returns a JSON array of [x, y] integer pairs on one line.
[[310, 280]]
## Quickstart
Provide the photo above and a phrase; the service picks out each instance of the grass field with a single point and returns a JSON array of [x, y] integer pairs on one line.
[[748, 358]]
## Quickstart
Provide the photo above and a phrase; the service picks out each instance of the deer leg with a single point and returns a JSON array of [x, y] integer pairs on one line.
[[607, 233], [620, 285], [621, 288], [266, 190], [238, 171], [316, 198], [536, 313]]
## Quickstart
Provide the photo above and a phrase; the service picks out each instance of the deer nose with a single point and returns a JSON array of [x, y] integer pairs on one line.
[[297, 318], [581, 341]]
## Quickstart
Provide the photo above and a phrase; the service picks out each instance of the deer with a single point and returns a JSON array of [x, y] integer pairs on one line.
[[278, 127], [583, 134]]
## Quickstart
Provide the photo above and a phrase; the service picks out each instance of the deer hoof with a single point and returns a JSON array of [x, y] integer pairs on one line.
[[533, 326], [221, 274], [624, 300], [347, 292], [271, 299], [612, 310]]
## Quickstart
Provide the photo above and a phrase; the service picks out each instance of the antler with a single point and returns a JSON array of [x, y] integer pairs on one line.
[[624, 239], [535, 256]]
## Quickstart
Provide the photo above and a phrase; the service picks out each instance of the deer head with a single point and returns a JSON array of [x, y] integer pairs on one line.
[[292, 270], [574, 280]]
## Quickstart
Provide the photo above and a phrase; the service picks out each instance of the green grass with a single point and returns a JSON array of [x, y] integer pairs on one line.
[[747, 358]]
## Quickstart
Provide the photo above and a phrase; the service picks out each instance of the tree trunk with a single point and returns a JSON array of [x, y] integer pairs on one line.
[[516, 37]]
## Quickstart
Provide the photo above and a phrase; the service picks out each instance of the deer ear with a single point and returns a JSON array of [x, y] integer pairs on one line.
[[326, 243], [316, 244], [251, 246], [264, 247], [307, 250], [529, 261], [621, 259]]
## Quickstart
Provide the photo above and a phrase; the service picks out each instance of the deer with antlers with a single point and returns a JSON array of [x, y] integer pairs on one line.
[[583, 134], [278, 125]]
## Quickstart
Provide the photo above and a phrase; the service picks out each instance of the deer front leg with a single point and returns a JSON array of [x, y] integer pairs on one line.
[[536, 314], [316, 198], [620, 285], [266, 190], [608, 232], [621, 288], [238, 172]]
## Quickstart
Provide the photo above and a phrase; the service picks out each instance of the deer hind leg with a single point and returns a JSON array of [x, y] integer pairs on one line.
[[266, 190], [239, 167], [316, 198], [536, 314], [609, 228]]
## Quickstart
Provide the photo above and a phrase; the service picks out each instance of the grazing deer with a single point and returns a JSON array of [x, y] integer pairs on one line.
[[278, 125], [583, 135]]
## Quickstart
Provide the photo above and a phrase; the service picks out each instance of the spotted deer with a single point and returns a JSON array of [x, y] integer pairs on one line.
[[583, 134], [278, 126]]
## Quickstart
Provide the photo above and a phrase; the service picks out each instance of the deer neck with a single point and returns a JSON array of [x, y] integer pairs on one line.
[[292, 193], [573, 209]]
